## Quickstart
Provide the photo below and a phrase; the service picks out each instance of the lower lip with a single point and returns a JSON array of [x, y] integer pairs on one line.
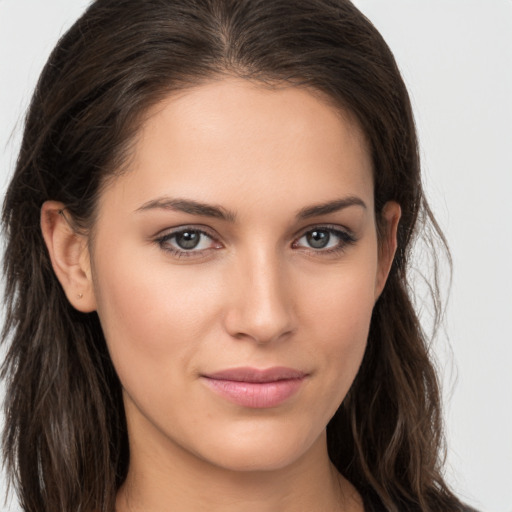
[[256, 395]]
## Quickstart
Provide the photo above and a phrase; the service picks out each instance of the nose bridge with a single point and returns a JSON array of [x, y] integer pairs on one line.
[[261, 306]]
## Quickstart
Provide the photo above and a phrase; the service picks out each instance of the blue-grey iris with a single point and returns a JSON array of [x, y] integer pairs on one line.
[[188, 239], [318, 239]]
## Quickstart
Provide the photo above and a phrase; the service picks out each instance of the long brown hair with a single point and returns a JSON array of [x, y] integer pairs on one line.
[[65, 438]]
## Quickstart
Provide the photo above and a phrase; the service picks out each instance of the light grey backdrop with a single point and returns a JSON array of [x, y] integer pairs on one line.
[[456, 56]]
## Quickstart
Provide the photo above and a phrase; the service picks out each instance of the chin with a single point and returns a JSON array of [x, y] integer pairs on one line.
[[263, 450]]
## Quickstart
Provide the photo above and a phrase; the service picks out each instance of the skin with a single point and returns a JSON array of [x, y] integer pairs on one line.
[[253, 293]]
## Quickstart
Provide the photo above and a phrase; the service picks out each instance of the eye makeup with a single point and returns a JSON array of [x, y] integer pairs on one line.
[[325, 240], [187, 242], [195, 242]]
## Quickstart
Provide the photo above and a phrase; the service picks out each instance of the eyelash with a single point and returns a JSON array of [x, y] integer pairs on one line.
[[163, 242], [345, 239]]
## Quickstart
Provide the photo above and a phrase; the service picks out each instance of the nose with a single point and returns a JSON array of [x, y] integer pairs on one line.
[[261, 304]]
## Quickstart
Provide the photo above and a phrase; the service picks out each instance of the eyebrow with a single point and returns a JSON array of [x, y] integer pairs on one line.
[[330, 207], [189, 206], [218, 212]]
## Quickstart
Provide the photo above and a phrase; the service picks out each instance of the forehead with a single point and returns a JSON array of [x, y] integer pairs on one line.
[[233, 140]]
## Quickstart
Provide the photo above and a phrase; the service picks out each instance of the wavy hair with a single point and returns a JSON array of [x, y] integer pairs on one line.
[[65, 438]]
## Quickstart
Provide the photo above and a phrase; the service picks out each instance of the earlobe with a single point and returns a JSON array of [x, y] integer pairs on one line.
[[391, 214], [69, 256]]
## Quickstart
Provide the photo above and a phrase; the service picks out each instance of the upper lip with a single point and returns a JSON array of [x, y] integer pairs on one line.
[[256, 375]]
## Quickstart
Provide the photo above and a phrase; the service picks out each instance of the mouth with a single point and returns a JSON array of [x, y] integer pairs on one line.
[[255, 388]]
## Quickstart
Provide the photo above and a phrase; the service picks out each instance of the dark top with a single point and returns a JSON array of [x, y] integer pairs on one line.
[[373, 504]]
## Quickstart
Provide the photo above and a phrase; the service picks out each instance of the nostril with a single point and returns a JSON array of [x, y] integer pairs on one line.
[[261, 302], [262, 322]]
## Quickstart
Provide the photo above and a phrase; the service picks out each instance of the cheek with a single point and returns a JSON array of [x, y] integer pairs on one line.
[[340, 302], [152, 315], [345, 309], [344, 334], [339, 315]]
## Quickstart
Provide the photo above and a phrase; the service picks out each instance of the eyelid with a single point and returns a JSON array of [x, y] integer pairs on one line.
[[165, 235], [328, 227], [201, 228], [347, 237]]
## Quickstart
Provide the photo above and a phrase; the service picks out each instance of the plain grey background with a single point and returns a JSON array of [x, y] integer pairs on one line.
[[456, 57]]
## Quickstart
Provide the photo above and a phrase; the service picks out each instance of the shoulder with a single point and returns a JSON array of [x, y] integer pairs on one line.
[[371, 504]]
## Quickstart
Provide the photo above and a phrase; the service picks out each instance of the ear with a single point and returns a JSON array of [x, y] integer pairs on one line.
[[391, 214], [69, 254]]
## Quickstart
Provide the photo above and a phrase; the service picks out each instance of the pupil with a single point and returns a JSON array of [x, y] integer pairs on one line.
[[188, 239], [318, 239]]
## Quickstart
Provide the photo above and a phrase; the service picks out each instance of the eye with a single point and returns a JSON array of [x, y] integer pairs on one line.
[[325, 239], [187, 242]]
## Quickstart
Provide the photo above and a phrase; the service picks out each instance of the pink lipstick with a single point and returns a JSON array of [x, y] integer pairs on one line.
[[254, 388]]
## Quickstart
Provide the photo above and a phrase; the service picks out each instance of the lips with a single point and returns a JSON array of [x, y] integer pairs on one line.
[[255, 388]]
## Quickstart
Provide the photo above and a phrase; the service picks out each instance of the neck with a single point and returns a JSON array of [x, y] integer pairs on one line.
[[174, 479]]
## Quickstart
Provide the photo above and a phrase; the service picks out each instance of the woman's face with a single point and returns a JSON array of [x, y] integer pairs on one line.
[[235, 267]]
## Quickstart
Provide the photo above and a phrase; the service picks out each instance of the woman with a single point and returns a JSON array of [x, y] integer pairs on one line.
[[208, 234]]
